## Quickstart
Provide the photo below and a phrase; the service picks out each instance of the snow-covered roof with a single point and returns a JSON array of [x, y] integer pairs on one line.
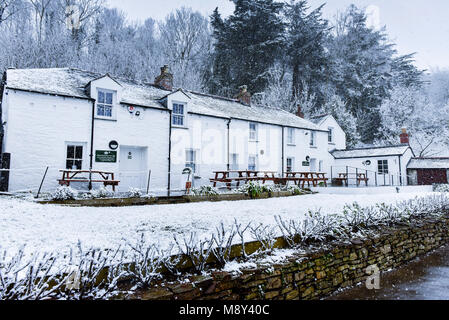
[[319, 119], [428, 163], [72, 82], [371, 152]]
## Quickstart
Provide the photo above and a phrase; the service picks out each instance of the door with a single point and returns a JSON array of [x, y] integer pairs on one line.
[[431, 176], [133, 168], [313, 165]]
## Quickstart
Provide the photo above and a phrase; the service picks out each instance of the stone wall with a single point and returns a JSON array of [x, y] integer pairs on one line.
[[316, 274]]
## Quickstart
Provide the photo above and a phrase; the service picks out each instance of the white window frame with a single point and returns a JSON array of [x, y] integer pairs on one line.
[[383, 166], [312, 139], [251, 156], [83, 145], [105, 104], [330, 136], [291, 136], [178, 116], [292, 165], [253, 134], [193, 163]]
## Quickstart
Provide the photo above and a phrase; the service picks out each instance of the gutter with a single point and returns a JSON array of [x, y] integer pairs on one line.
[[229, 144], [92, 144]]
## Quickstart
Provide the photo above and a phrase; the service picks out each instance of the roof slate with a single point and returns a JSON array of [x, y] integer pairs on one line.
[[370, 152], [72, 82]]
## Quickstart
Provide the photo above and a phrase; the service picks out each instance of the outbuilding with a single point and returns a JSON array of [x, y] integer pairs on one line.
[[428, 171]]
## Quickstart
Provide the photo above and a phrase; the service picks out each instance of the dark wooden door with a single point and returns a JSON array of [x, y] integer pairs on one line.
[[431, 176]]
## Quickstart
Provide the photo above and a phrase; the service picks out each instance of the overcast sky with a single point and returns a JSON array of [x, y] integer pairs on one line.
[[415, 25]]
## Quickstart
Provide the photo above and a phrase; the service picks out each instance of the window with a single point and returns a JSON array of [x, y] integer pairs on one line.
[[104, 103], [191, 160], [382, 166], [291, 136], [178, 114], [312, 138], [252, 132], [74, 159], [290, 162], [252, 163], [331, 135]]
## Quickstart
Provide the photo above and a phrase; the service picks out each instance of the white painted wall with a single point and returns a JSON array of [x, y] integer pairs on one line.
[[39, 126]]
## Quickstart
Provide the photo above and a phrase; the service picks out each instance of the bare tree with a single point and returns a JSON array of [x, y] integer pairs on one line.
[[8, 8]]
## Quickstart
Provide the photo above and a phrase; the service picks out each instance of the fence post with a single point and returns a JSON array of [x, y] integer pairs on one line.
[[357, 177], [149, 179], [347, 176], [42, 182], [375, 177]]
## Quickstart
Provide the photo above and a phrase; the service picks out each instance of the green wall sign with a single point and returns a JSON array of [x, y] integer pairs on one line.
[[306, 164], [106, 156]]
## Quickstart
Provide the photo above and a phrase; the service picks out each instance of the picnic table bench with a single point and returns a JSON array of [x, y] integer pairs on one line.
[[300, 178], [360, 177], [69, 176], [243, 176]]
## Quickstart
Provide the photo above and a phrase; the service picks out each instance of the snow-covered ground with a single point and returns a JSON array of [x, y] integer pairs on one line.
[[56, 228]]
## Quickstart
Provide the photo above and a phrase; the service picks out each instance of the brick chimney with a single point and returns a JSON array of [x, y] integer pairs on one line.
[[244, 96], [299, 113], [405, 138], [165, 79]]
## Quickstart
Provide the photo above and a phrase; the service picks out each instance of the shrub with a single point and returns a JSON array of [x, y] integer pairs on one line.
[[441, 187], [64, 193], [101, 193], [255, 189], [134, 193], [205, 191]]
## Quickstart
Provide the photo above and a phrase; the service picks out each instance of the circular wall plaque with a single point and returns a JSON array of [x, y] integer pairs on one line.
[[113, 145]]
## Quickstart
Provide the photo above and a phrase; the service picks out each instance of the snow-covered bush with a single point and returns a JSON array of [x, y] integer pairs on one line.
[[101, 193], [205, 191], [64, 193], [196, 251], [134, 193], [30, 279], [255, 189], [223, 240], [93, 274], [441, 188], [266, 235]]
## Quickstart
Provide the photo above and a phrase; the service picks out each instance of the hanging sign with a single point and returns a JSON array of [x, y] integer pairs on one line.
[[106, 156]]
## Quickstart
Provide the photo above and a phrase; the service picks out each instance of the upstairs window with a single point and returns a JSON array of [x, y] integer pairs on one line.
[[74, 159], [191, 161], [253, 131], [331, 135], [178, 114], [291, 136], [382, 166], [105, 103], [312, 138]]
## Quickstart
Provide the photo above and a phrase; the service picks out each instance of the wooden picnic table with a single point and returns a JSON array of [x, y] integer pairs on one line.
[[344, 177], [243, 175], [300, 178], [69, 176]]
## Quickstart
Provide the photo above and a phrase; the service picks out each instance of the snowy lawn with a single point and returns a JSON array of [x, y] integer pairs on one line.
[[56, 228]]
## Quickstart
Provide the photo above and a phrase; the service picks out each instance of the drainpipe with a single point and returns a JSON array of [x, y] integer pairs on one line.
[[169, 154], [2, 130], [400, 171], [283, 151], [229, 146], [92, 144]]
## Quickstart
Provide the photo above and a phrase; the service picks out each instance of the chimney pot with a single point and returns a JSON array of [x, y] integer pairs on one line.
[[165, 79], [405, 138], [299, 113], [244, 96]]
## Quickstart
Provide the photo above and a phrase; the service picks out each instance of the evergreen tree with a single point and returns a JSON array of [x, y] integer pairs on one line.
[[306, 53], [247, 44]]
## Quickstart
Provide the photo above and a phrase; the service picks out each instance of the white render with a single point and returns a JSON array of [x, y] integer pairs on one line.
[[47, 109]]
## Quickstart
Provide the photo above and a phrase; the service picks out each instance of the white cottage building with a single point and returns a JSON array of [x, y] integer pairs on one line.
[[73, 119]]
